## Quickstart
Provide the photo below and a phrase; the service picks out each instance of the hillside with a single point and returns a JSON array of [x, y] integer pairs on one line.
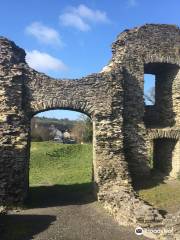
[[61, 124]]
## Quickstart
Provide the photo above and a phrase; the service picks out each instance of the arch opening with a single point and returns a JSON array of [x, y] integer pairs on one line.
[[61, 158], [164, 156], [161, 113]]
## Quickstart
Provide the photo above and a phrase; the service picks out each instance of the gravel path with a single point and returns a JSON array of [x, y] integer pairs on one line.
[[69, 222], [63, 213]]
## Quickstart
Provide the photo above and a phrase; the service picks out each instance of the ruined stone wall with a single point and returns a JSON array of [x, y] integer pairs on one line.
[[166, 90], [152, 49], [99, 96], [114, 101], [28, 92], [13, 124], [176, 100], [175, 171]]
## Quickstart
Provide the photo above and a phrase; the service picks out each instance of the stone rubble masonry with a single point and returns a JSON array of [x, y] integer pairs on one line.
[[114, 100]]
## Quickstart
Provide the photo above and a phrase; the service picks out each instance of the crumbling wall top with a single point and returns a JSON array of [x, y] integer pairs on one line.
[[148, 43], [155, 40], [10, 53]]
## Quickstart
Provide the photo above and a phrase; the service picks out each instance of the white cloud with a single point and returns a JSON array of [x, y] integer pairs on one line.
[[132, 3], [81, 16], [44, 34], [93, 15], [73, 20], [42, 61]]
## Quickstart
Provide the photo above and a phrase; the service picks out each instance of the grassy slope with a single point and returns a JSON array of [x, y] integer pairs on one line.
[[54, 163]]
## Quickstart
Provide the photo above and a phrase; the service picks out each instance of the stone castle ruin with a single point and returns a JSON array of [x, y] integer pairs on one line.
[[124, 128]]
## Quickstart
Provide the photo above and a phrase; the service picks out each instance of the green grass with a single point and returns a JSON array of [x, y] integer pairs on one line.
[[53, 163], [164, 196], [59, 174], [65, 164]]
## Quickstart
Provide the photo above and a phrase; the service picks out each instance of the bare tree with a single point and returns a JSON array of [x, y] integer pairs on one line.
[[150, 96], [39, 132], [77, 131], [82, 130]]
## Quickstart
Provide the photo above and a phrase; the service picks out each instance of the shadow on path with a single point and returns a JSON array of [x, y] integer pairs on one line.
[[60, 195], [24, 227], [79, 217]]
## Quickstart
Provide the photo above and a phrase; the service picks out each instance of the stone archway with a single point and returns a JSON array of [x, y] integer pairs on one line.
[[61, 159], [27, 92]]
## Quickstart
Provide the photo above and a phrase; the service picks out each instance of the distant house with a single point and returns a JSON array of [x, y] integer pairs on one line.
[[66, 135], [67, 138], [59, 136], [56, 134]]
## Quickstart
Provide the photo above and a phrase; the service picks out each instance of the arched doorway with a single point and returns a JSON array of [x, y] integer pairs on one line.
[[61, 159]]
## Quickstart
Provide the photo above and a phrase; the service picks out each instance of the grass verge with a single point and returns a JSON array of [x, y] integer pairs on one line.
[[53, 163], [164, 196]]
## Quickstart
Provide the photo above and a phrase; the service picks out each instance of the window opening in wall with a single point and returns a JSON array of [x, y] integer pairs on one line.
[[149, 89]]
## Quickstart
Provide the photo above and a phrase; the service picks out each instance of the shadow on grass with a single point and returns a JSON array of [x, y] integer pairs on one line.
[[23, 227], [154, 179], [158, 191], [59, 195]]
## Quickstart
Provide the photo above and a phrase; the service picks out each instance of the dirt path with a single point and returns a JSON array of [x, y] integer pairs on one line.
[[69, 222]]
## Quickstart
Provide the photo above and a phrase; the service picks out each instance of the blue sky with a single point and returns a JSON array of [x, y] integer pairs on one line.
[[72, 38]]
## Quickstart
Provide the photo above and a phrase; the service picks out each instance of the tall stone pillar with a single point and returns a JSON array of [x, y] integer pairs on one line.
[[110, 168], [134, 129], [13, 124], [113, 180]]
